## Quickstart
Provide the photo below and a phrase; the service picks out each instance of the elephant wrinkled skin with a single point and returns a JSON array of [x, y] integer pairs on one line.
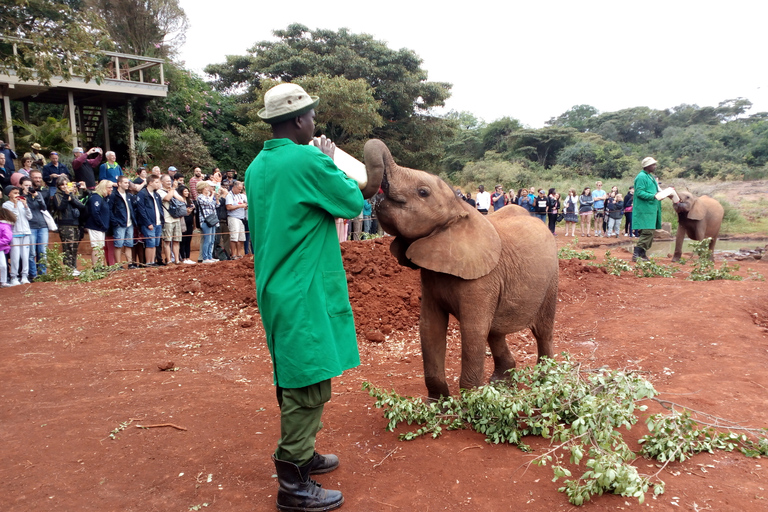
[[495, 274], [698, 218]]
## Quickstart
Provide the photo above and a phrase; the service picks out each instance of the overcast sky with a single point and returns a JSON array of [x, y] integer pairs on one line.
[[535, 60]]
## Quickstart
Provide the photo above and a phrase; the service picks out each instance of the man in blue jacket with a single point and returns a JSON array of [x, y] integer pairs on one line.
[[149, 215], [53, 170], [123, 220]]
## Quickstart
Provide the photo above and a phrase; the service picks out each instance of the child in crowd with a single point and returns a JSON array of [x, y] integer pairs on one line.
[[17, 204], [7, 220]]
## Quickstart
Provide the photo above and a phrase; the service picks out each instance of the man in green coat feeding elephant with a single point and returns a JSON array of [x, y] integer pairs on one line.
[[301, 285], [646, 211]]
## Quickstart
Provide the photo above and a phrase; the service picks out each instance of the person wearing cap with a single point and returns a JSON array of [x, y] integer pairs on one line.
[[85, 168], [301, 284], [646, 209], [37, 158], [53, 169]]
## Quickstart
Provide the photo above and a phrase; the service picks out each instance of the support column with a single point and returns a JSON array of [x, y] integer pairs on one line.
[[25, 111], [106, 125], [131, 136], [8, 120], [72, 122]]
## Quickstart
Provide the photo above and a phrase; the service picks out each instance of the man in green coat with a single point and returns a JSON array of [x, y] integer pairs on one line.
[[646, 209], [301, 285]]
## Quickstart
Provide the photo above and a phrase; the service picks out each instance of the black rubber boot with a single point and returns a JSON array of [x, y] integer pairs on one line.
[[639, 254], [299, 492], [323, 464]]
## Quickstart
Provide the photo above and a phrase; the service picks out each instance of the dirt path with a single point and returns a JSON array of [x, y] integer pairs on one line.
[[81, 362]]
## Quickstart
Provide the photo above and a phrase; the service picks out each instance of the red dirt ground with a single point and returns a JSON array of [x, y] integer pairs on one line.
[[82, 361]]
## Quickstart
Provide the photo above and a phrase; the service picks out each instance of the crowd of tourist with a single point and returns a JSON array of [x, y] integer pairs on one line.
[[148, 221], [594, 210]]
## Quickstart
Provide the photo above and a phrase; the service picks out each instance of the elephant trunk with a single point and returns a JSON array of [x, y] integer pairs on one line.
[[378, 160]]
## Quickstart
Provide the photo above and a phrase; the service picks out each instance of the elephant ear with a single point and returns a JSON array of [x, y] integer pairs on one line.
[[698, 210], [468, 248]]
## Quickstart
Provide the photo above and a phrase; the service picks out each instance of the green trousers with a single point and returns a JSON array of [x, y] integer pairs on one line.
[[646, 239], [300, 413]]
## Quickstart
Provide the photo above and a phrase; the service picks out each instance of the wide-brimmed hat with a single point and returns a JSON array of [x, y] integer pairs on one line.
[[286, 101], [36, 146], [647, 161]]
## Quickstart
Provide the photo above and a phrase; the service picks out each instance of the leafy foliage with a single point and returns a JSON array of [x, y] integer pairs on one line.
[[704, 264], [52, 135], [171, 146], [651, 268], [51, 38], [581, 412], [570, 252], [614, 265]]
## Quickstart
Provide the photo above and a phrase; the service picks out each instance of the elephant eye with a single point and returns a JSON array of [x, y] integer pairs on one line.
[[423, 192]]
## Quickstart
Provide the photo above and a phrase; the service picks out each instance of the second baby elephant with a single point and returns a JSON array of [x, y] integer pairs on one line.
[[495, 274], [698, 218]]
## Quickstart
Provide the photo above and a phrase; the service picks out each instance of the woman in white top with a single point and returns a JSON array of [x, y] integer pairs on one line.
[[22, 235]]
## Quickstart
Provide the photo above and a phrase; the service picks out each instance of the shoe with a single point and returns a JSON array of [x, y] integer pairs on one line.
[[639, 254], [24, 280], [299, 492], [75, 272], [188, 262], [4, 285], [626, 234], [209, 261], [323, 464], [14, 282], [132, 266]]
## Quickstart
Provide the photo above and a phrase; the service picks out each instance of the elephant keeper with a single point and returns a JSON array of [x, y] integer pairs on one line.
[[646, 209], [301, 285]]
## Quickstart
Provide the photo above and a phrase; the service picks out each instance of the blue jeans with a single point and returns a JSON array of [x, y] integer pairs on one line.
[[206, 248], [123, 236], [366, 224], [152, 236], [39, 241], [542, 216]]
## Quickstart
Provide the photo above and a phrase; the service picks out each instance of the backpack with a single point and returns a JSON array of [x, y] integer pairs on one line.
[[176, 209]]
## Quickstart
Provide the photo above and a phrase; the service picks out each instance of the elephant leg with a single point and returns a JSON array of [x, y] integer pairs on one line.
[[433, 327], [679, 243], [502, 356], [473, 339], [712, 248], [544, 325]]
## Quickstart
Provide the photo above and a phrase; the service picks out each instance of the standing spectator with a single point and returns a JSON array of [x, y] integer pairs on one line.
[[511, 197], [585, 210], [110, 170], [26, 166], [156, 171], [540, 206], [215, 180], [38, 160], [614, 207], [646, 208], [17, 205], [196, 178], [207, 208], [356, 226], [149, 215], [188, 226], [498, 199], [598, 198], [553, 207], [123, 217], [483, 200], [10, 156], [7, 220], [67, 210], [172, 173], [172, 225], [221, 250], [229, 180], [53, 170], [237, 209], [571, 217], [5, 174], [84, 167], [367, 209], [140, 182], [628, 199], [312, 331], [38, 227], [470, 201], [98, 220], [523, 200]]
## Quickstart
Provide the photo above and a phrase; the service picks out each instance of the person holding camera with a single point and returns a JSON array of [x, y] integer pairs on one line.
[[67, 209], [37, 225], [85, 167], [17, 204]]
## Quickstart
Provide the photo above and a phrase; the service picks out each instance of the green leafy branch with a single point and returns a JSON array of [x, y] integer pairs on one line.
[[581, 412], [704, 265], [570, 252]]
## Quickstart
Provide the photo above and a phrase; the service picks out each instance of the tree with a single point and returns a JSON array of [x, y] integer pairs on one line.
[[541, 145], [152, 28], [51, 38], [579, 117], [495, 134]]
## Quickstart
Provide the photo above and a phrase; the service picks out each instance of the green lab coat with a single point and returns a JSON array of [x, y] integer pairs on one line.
[[294, 194], [646, 209]]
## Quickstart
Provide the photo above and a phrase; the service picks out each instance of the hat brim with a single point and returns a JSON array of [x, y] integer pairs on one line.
[[289, 115]]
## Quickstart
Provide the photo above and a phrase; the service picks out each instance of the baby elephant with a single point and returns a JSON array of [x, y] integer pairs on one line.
[[698, 218], [495, 274]]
